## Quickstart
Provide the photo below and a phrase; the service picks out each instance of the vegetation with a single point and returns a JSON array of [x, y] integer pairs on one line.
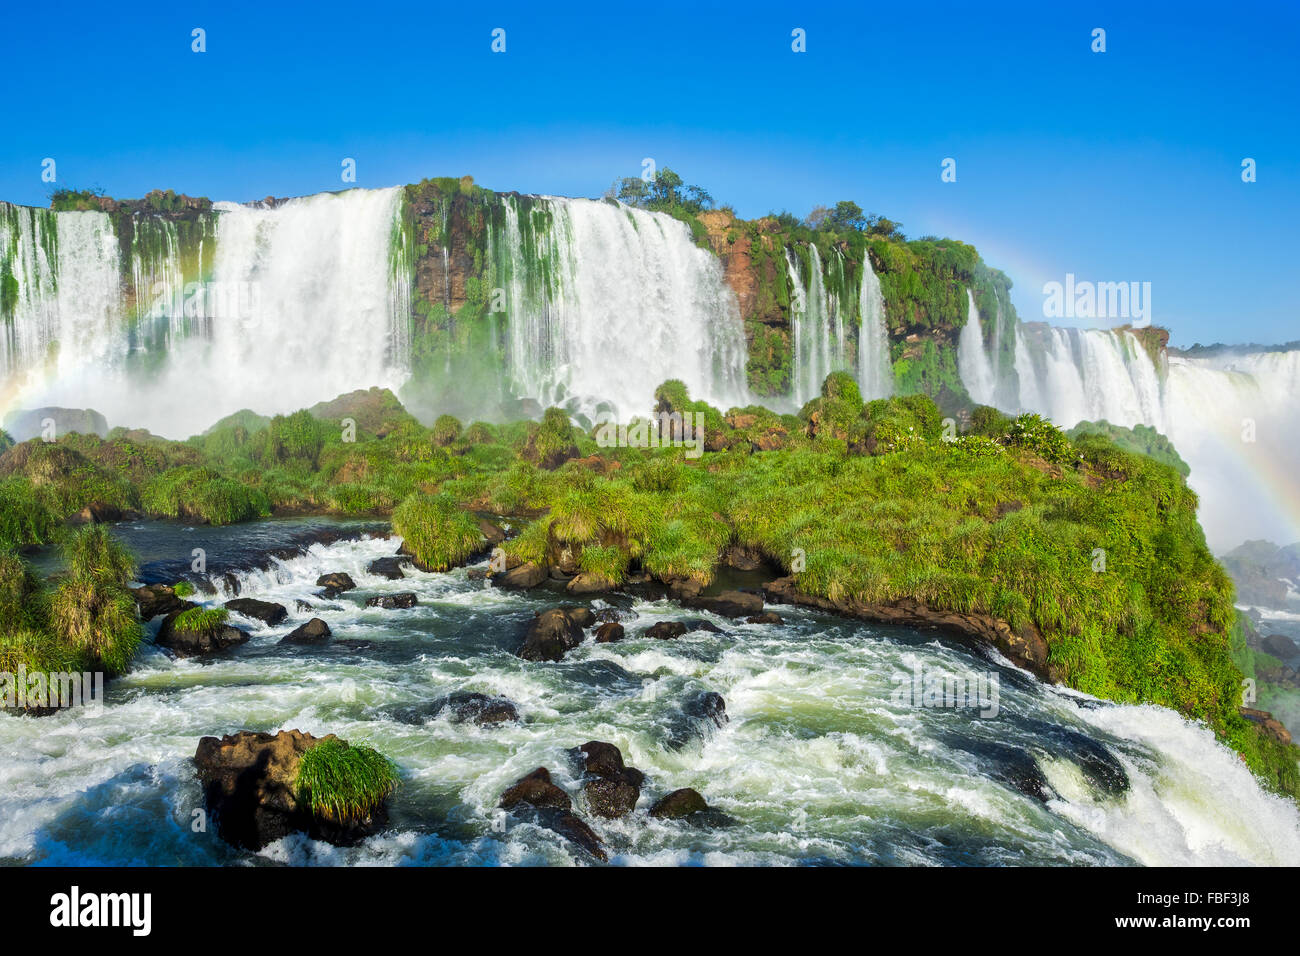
[[199, 620], [436, 531], [342, 783], [1142, 439]]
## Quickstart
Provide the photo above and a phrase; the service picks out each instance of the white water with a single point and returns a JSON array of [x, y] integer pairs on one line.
[[1230, 416], [631, 302], [972, 359], [875, 370], [819, 761], [303, 303]]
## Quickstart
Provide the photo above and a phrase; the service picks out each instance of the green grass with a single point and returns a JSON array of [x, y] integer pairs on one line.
[[199, 620], [342, 783], [437, 531]]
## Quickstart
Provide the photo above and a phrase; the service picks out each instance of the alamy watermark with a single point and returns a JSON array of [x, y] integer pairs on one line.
[[58, 689], [665, 430], [1082, 299], [930, 688]]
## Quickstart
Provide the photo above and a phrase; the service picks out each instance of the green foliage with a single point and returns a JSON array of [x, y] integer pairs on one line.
[[342, 783], [199, 620], [201, 494], [25, 519], [436, 531], [183, 589], [1141, 439], [91, 613], [446, 430], [1035, 433]]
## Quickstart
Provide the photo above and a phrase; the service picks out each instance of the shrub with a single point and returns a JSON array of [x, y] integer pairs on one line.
[[436, 531], [342, 783]]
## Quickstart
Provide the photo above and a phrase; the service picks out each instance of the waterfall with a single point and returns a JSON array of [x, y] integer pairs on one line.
[[875, 371], [606, 302], [297, 304], [972, 359], [820, 315], [1229, 414]]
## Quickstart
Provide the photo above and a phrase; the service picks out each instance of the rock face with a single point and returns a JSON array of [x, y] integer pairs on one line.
[[264, 611], [1280, 646], [314, 631], [553, 632], [553, 809], [666, 630], [1025, 646], [25, 425], [611, 788], [468, 707], [390, 568], [184, 643], [248, 785], [523, 577], [402, 599], [731, 604], [335, 583], [156, 599], [678, 804], [1268, 723]]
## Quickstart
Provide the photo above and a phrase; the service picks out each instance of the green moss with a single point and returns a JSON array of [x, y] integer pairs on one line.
[[342, 783]]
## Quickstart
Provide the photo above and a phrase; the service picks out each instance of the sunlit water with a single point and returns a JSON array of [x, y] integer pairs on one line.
[[818, 764]]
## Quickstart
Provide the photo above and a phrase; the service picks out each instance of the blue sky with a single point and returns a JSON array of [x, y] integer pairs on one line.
[[1120, 166]]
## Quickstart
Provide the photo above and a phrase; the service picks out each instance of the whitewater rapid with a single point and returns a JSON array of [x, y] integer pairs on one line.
[[818, 762]]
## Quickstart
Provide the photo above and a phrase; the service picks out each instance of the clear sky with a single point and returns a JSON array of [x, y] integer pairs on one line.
[[1115, 166]]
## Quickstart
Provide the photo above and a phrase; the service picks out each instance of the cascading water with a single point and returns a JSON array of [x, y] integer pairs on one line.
[[972, 359], [298, 303], [875, 370], [820, 315], [606, 302]]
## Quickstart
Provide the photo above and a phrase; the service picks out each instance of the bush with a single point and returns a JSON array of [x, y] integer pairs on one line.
[[344, 784], [436, 531]]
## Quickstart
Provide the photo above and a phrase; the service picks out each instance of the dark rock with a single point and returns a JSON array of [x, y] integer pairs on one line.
[[678, 804], [479, 708], [614, 615], [335, 583], [302, 605], [1280, 646], [195, 643], [666, 630], [683, 589], [491, 533], [553, 632], [249, 786], [767, 617], [477, 574], [730, 604], [707, 706], [265, 611], [608, 633], [536, 790], [525, 576], [231, 581], [156, 599], [402, 599], [742, 558], [1269, 724], [581, 616], [390, 568], [577, 832], [314, 631], [588, 582], [615, 788], [699, 624], [601, 758]]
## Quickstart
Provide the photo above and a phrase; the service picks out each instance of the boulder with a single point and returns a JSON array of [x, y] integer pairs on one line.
[[609, 633], [767, 617], [731, 604], [156, 599], [588, 582], [491, 533], [335, 583], [1280, 646], [390, 568], [666, 630], [525, 576], [265, 611], [611, 788], [475, 708], [678, 804], [249, 783], [302, 605], [402, 599], [314, 631], [699, 624], [553, 632], [536, 790], [185, 643]]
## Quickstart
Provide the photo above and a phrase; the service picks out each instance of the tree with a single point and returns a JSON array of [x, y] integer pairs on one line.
[[847, 215]]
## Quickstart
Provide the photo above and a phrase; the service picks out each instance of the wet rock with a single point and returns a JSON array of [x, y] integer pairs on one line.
[[699, 624], [314, 631], [578, 833], [302, 605], [742, 558], [666, 630], [522, 578], [609, 633], [536, 790], [390, 568], [588, 582], [730, 604], [267, 612], [98, 512], [767, 617], [230, 580], [402, 599], [1269, 724], [707, 706], [477, 574], [158, 599], [615, 615], [683, 589], [187, 643], [553, 632], [334, 584], [249, 786], [678, 804], [581, 616], [492, 534], [467, 707], [1280, 646], [611, 789]]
